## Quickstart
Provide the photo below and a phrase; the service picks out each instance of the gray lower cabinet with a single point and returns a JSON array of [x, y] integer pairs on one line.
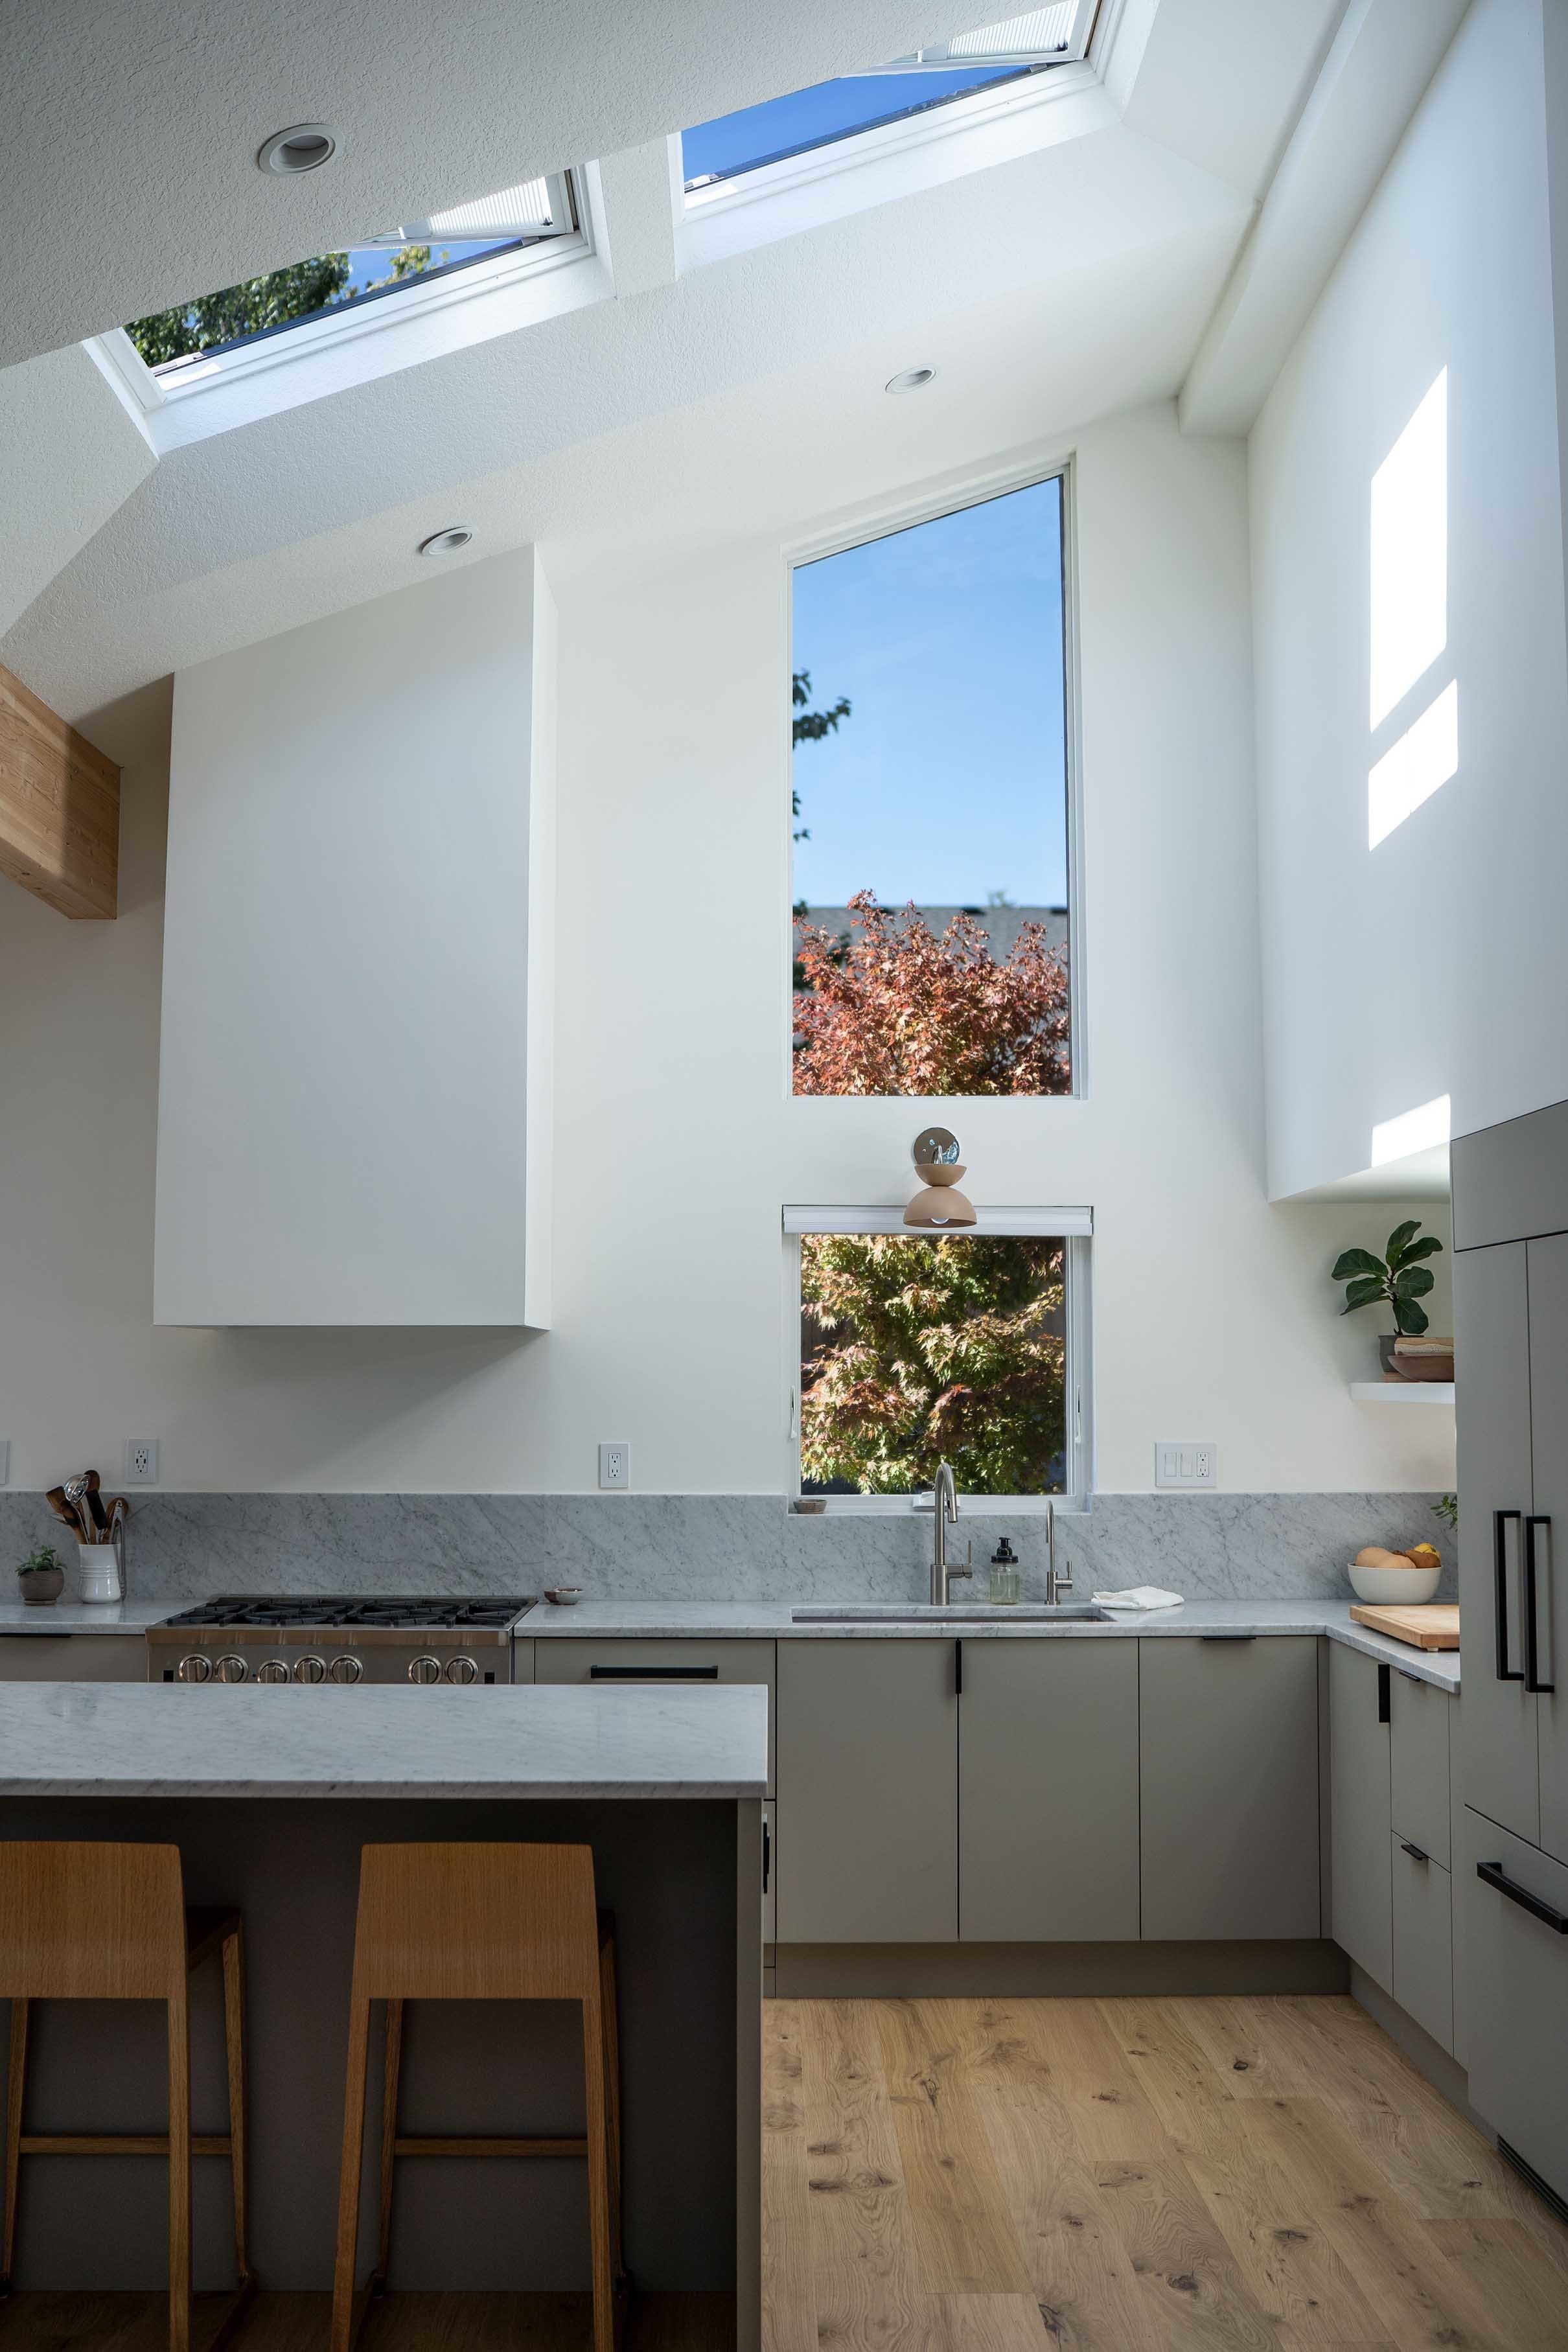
[[769, 1871], [1230, 1747], [868, 1805], [1491, 1325], [1419, 1741], [1047, 1839], [72, 1658], [1548, 1536], [1423, 1976], [1361, 1890], [659, 1660], [1517, 1965]]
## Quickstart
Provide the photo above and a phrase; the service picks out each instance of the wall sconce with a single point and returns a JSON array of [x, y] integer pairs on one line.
[[940, 1203]]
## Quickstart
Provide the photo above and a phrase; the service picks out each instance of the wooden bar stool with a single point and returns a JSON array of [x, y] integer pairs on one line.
[[81, 1922], [481, 1923]]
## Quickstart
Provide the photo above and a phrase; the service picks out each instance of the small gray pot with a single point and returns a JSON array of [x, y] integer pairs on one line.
[[1385, 1341], [43, 1586]]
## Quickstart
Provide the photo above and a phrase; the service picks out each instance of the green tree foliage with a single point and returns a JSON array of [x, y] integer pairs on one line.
[[945, 1348], [272, 300], [810, 726]]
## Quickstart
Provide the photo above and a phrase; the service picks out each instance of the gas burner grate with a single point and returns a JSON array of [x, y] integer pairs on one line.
[[340, 1612]]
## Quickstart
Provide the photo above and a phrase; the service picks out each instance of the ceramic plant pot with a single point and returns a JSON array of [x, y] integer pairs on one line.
[[44, 1585]]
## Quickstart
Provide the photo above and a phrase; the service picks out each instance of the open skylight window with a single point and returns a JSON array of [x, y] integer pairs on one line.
[[196, 340], [718, 154]]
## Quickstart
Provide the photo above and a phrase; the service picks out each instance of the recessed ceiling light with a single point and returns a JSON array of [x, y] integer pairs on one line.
[[911, 380], [447, 542], [304, 147]]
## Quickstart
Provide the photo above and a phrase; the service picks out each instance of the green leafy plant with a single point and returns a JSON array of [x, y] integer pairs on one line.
[[1400, 1278], [1447, 1507], [45, 1561]]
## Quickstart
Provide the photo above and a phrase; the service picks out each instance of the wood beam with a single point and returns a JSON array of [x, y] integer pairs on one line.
[[59, 809]]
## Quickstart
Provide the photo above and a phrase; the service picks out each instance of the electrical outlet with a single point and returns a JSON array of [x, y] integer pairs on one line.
[[141, 1461], [615, 1465], [1185, 1462], [4, 1461]]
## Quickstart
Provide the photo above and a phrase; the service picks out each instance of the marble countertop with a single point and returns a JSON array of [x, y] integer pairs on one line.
[[64, 1616], [770, 1621], [147, 1739]]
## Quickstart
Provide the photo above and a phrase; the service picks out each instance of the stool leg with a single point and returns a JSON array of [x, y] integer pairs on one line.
[[392, 2067], [594, 2096], [610, 2029], [349, 2177], [16, 2088], [234, 2042], [179, 2174]]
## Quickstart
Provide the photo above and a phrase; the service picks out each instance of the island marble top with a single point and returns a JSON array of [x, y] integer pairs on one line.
[[154, 1739]]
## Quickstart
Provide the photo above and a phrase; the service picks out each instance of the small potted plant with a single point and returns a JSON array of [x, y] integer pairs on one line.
[[1399, 1280], [42, 1576]]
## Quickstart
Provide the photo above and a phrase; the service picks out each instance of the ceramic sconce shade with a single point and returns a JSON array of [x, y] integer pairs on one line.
[[940, 1202]]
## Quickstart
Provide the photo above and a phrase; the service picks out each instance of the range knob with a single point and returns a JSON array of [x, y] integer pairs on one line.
[[425, 1668], [194, 1667], [231, 1667], [346, 1669], [461, 1670], [272, 1670], [310, 1668]]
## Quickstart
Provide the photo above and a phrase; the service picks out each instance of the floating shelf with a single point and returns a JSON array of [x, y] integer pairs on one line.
[[1403, 1391]]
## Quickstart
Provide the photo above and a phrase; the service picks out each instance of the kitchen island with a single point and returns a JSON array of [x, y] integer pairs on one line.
[[269, 1794]]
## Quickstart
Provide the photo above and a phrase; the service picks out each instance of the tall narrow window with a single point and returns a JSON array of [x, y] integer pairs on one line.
[[931, 809]]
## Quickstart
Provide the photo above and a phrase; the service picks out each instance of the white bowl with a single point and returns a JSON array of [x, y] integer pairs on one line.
[[1397, 1584]]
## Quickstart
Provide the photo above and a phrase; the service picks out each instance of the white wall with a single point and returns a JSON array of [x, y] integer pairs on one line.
[[1436, 963], [676, 1140]]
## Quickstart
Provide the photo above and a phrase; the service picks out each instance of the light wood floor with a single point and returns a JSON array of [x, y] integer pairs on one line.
[[1126, 2174], [1030, 2176]]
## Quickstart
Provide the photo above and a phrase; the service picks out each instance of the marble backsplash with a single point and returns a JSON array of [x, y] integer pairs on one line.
[[188, 1546]]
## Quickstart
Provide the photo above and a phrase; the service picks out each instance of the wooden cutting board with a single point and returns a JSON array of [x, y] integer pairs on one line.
[[1426, 1625]]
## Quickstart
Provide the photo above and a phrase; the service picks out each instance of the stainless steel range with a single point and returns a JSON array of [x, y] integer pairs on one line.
[[336, 1638]]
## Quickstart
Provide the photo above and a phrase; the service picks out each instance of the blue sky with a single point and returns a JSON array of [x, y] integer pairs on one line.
[[810, 117], [948, 781]]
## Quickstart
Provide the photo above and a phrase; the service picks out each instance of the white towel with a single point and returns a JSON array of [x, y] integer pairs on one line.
[[1142, 1596]]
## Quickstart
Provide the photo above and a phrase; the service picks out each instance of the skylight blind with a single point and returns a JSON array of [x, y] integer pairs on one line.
[[1050, 35], [534, 208]]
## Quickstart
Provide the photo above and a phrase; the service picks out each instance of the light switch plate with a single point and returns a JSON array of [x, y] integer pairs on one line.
[[615, 1464], [141, 1461], [1185, 1462]]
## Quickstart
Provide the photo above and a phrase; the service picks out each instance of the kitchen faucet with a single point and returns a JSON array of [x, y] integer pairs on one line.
[[944, 1498], [1055, 1585]]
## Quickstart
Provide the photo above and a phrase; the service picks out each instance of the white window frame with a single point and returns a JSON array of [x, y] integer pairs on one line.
[[1075, 1227], [884, 521], [218, 390]]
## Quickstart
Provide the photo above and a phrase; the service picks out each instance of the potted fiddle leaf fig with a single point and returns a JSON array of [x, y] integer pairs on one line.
[[1399, 1280]]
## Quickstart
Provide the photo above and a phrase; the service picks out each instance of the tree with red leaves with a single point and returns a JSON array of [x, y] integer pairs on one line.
[[900, 1012]]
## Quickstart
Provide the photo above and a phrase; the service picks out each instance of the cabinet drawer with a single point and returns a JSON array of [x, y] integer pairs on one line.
[[1229, 1765], [1517, 1973], [1424, 1941], [661, 1662], [72, 1658], [1419, 1764], [1361, 1891]]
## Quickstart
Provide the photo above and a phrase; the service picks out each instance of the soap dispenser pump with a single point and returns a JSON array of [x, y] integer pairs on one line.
[[1004, 1574]]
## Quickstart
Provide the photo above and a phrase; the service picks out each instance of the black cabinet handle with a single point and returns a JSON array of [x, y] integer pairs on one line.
[[653, 1674], [767, 1855], [1227, 1637], [1384, 1694], [1495, 1875], [958, 1670], [1415, 1852], [1532, 1681], [1505, 1672]]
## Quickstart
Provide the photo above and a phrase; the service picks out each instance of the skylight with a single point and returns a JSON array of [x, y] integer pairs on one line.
[[785, 128], [186, 343]]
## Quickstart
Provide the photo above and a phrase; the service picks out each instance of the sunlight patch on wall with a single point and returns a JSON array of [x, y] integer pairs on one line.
[[1420, 1130], [1410, 553], [1426, 756]]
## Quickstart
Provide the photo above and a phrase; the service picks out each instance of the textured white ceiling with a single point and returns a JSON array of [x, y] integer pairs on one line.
[[128, 177]]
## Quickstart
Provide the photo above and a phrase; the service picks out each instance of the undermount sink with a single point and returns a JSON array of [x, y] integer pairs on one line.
[[957, 1612]]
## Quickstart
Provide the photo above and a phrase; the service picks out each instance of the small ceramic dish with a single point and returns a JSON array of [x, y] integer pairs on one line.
[[564, 1596], [1405, 1586]]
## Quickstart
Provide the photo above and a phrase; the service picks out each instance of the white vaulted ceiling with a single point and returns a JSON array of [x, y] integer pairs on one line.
[[684, 404]]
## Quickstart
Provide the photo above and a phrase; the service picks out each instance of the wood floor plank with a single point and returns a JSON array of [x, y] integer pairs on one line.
[[992, 2322], [867, 2287], [1254, 2058], [1193, 2289], [965, 2235], [1085, 2287], [789, 2308], [1515, 2276], [1174, 2073]]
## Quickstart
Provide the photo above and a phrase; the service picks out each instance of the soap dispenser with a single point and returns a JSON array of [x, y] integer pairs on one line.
[[1004, 1575]]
